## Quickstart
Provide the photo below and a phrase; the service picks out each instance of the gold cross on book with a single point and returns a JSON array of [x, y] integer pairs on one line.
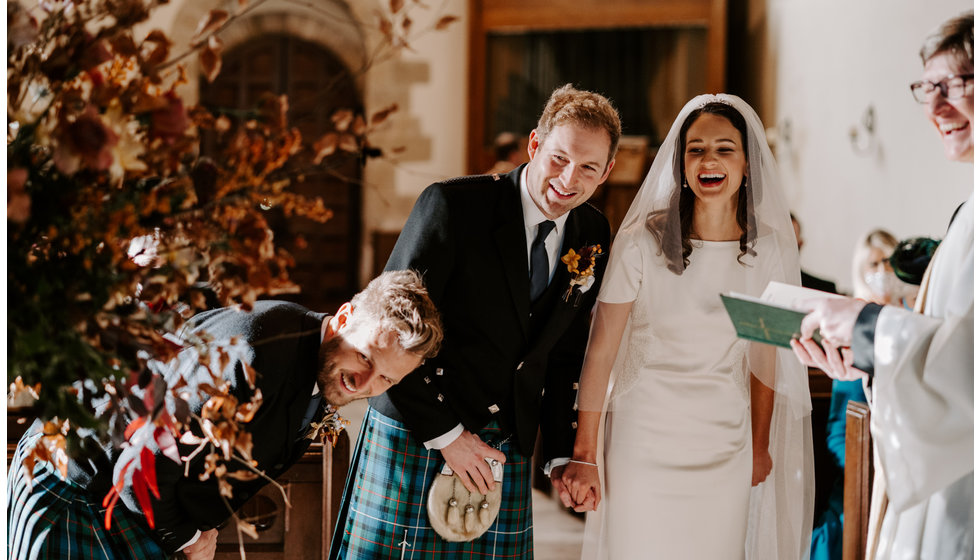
[[767, 332]]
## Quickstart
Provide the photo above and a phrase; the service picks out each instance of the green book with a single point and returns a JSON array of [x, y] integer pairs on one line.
[[775, 317]]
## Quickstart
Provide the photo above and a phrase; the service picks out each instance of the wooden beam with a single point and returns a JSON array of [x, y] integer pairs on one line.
[[716, 54], [593, 14], [476, 98]]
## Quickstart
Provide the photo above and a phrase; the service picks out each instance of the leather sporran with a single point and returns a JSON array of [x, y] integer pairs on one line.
[[458, 515]]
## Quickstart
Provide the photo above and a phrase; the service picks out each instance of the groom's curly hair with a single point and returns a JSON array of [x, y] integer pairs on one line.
[[587, 109], [397, 302]]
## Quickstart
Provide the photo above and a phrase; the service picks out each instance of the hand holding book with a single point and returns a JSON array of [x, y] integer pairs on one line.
[[783, 315], [837, 319], [774, 318]]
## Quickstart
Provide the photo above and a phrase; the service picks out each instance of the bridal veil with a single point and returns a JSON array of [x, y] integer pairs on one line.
[[781, 507]]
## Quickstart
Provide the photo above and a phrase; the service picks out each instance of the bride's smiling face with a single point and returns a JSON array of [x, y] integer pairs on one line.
[[714, 158]]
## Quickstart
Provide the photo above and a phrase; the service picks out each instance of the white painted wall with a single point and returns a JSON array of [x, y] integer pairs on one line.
[[833, 60], [429, 84]]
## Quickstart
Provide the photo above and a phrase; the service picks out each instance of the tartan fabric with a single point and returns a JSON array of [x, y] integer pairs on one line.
[[55, 519], [386, 495]]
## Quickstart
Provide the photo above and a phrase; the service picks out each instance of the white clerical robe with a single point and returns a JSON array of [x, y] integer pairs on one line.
[[922, 410]]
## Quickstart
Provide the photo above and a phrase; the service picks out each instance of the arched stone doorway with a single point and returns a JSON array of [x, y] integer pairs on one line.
[[317, 84]]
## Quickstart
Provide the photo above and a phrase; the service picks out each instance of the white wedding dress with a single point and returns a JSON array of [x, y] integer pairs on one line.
[[678, 448], [675, 437]]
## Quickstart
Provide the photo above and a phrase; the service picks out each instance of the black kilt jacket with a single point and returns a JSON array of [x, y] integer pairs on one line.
[[283, 343], [502, 358]]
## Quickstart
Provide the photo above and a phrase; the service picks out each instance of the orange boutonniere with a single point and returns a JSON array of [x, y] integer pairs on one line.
[[581, 266]]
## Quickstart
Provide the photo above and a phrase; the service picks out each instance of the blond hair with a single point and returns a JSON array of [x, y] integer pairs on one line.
[[568, 105], [875, 239], [397, 302]]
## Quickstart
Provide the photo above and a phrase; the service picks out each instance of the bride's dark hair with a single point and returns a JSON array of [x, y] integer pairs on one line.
[[674, 236]]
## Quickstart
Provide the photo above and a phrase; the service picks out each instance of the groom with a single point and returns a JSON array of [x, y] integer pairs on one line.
[[490, 248]]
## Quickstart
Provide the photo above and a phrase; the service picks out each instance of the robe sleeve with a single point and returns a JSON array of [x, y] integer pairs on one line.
[[922, 395]]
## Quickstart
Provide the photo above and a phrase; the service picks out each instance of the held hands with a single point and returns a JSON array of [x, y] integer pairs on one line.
[[835, 318], [203, 548], [578, 485], [465, 456]]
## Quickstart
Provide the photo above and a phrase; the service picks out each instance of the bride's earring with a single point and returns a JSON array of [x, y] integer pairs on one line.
[[684, 184]]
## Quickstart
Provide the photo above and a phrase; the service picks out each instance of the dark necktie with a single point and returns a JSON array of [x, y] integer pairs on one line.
[[539, 260], [316, 402]]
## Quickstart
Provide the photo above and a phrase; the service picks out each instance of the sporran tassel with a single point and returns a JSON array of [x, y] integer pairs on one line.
[[469, 519], [452, 513], [484, 513]]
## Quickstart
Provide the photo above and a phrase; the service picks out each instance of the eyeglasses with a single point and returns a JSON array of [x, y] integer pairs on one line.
[[950, 87]]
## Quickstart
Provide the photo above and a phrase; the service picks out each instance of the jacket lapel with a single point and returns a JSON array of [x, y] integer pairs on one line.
[[512, 246], [572, 240]]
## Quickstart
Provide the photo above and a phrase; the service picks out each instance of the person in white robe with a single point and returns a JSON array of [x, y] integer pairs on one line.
[[918, 366]]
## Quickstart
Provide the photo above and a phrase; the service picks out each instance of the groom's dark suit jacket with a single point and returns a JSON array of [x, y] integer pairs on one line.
[[503, 358]]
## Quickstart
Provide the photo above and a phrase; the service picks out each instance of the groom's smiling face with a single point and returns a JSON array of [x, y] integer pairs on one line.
[[566, 167]]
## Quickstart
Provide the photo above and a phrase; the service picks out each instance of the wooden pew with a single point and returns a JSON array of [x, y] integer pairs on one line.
[[858, 474], [314, 487]]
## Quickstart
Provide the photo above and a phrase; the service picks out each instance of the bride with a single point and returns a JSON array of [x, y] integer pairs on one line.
[[705, 438]]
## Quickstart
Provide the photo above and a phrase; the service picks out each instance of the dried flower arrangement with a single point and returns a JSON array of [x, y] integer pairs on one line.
[[119, 229]]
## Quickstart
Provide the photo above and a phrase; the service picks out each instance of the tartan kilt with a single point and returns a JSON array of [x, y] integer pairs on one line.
[[58, 519], [385, 501]]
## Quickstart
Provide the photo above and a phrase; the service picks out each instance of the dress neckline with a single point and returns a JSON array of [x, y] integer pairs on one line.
[[714, 243]]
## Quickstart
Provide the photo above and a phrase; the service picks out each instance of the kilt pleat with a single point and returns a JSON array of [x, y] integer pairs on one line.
[[53, 518], [385, 516]]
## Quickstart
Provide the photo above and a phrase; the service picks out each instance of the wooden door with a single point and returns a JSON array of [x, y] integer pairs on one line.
[[317, 84]]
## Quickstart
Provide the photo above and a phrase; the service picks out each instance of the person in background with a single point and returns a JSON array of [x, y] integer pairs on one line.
[[507, 149], [874, 279], [808, 280], [919, 365]]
